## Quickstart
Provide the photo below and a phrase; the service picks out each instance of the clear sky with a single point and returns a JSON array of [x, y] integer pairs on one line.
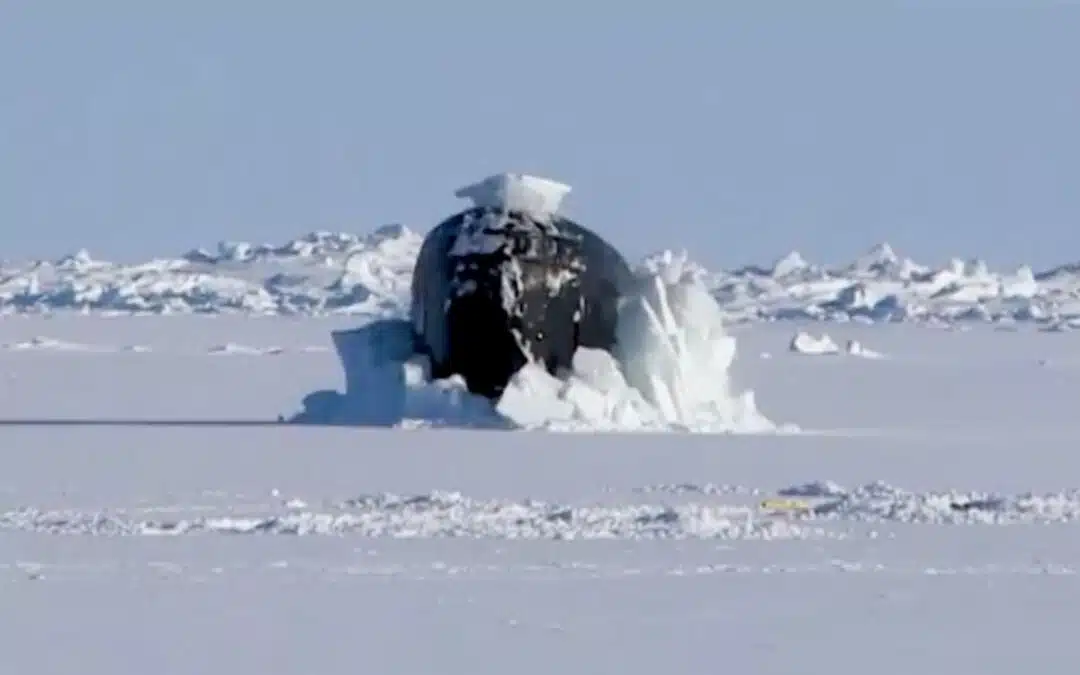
[[147, 128]]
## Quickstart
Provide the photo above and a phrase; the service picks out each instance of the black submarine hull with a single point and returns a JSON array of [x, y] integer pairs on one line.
[[494, 289]]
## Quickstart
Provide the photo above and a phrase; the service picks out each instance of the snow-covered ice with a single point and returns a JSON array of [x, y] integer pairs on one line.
[[328, 273], [155, 517], [805, 343]]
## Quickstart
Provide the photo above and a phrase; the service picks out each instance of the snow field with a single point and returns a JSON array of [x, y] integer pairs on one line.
[[155, 516]]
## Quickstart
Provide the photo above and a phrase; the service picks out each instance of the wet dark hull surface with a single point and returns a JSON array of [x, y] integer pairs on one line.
[[537, 296]]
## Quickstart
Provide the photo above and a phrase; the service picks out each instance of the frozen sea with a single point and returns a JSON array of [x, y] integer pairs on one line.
[[154, 517]]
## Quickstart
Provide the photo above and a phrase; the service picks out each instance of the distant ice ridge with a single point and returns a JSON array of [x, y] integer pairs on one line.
[[317, 274], [368, 275], [670, 373]]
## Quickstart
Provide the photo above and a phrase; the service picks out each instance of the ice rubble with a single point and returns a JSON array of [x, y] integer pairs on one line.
[[805, 343], [684, 511], [670, 373], [879, 502], [333, 273]]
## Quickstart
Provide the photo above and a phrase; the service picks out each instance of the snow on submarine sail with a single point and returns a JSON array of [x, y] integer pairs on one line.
[[502, 283], [510, 281]]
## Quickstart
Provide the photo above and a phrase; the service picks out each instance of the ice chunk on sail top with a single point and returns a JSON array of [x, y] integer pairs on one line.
[[540, 197]]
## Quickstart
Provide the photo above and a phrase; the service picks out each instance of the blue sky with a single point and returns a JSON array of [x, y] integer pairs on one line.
[[138, 129]]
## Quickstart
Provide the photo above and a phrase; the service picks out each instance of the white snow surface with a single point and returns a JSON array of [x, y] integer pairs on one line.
[[325, 273], [155, 518]]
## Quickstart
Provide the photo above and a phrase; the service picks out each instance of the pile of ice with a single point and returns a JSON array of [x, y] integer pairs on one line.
[[670, 370], [806, 343], [670, 373]]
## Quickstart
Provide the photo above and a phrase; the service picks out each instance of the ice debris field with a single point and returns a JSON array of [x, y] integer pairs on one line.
[[894, 487], [324, 273]]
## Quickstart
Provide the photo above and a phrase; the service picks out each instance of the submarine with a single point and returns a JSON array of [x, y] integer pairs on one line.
[[504, 282], [508, 281]]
